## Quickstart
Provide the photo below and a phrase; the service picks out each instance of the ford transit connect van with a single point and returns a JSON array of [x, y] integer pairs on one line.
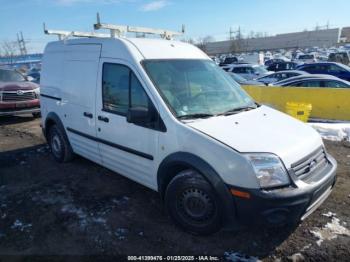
[[163, 114]]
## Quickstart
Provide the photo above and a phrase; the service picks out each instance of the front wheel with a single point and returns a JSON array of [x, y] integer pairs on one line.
[[193, 203]]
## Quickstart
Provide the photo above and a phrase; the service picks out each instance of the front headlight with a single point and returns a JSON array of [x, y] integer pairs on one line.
[[269, 170]]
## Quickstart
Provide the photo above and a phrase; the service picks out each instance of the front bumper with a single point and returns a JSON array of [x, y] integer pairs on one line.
[[19, 108], [284, 206]]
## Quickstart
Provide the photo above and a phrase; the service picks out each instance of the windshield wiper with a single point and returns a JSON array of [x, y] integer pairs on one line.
[[194, 116], [237, 110]]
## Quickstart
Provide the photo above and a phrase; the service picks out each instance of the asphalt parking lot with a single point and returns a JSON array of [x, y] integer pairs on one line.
[[80, 208]]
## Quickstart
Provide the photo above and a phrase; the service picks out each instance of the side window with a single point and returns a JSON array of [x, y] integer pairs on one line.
[[238, 70], [121, 89], [138, 96], [311, 84], [335, 69], [298, 84], [306, 84], [309, 68], [282, 76], [115, 88], [335, 84]]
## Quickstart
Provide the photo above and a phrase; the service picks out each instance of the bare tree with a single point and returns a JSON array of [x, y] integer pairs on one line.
[[188, 40], [203, 41], [9, 49], [251, 34]]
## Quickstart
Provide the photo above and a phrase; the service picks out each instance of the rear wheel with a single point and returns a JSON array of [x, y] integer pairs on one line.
[[59, 144], [193, 204]]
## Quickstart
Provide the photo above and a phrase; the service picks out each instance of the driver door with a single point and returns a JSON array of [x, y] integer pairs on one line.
[[126, 148]]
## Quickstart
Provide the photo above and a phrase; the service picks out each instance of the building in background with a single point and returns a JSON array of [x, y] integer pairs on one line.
[[319, 38]]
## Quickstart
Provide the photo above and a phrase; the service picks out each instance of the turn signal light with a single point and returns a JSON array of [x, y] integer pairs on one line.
[[240, 194]]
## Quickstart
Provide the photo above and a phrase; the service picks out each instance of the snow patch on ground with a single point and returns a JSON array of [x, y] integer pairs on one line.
[[19, 225], [333, 131], [330, 231], [329, 214]]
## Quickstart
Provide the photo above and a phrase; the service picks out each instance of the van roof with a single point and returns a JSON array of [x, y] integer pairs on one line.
[[139, 48]]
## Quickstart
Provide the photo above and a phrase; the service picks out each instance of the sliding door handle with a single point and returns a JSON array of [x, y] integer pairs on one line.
[[87, 114], [103, 118]]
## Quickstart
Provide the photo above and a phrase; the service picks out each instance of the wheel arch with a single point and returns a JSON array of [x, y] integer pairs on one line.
[[177, 162], [53, 119]]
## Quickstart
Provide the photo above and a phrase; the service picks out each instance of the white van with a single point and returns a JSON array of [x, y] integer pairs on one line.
[[163, 114]]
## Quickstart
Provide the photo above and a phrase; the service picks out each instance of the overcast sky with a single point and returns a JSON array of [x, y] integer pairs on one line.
[[201, 17]]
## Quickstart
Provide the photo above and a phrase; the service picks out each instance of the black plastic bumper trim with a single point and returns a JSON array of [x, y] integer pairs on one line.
[[285, 205]]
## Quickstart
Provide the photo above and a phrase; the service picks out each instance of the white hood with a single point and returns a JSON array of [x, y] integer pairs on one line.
[[262, 130]]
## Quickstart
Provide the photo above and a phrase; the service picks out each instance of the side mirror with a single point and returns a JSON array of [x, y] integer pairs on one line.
[[138, 115]]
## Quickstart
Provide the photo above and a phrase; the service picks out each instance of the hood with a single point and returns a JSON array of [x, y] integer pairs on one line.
[[262, 130], [14, 86]]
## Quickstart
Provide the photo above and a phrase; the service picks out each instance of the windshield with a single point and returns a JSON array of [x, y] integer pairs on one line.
[[261, 70], [10, 76], [196, 87]]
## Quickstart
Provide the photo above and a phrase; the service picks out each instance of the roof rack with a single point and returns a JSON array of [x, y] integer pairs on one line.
[[115, 31], [119, 30], [63, 35]]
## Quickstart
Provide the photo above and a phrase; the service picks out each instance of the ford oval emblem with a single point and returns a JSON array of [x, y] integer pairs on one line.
[[20, 92]]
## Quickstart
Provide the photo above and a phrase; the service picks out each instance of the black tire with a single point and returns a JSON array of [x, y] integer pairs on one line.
[[59, 145], [36, 115], [193, 203]]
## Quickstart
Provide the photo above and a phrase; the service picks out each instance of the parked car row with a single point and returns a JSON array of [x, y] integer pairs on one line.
[[331, 73], [310, 80]]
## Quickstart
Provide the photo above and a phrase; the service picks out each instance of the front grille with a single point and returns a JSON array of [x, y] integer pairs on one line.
[[18, 96], [311, 164]]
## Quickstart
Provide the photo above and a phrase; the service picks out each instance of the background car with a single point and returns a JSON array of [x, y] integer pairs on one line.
[[340, 57], [306, 58], [17, 94], [330, 68], [280, 66], [229, 60], [274, 61], [248, 71], [314, 81], [242, 81], [278, 76]]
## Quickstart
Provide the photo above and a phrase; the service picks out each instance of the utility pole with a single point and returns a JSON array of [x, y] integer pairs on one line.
[[231, 33], [239, 34], [21, 44]]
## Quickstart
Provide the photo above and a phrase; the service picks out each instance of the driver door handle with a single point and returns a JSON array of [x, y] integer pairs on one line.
[[103, 118]]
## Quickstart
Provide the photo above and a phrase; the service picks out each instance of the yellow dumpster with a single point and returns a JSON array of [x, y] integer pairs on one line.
[[300, 111]]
